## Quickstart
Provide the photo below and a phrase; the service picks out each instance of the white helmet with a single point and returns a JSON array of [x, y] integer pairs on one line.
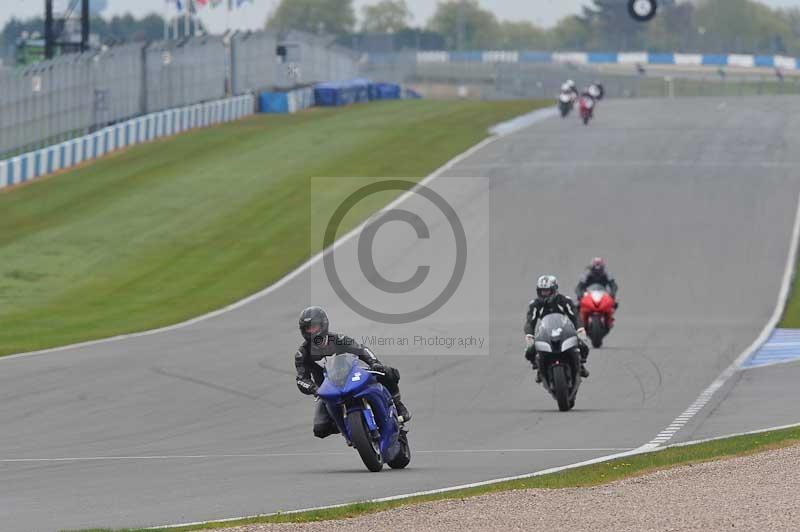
[[565, 87], [570, 84], [594, 91]]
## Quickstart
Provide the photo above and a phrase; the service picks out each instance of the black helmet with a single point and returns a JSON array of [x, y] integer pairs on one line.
[[598, 265], [547, 288], [313, 324]]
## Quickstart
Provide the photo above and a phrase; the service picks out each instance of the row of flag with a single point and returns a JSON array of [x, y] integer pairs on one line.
[[193, 5]]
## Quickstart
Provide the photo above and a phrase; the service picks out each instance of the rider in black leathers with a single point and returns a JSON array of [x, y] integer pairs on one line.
[[320, 343], [597, 273], [549, 301]]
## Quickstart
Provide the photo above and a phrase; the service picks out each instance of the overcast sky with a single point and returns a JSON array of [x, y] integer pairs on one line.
[[252, 15]]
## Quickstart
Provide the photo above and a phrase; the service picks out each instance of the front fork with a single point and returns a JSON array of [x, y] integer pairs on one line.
[[367, 414]]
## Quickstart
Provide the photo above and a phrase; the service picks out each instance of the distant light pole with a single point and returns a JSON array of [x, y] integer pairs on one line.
[[460, 26]]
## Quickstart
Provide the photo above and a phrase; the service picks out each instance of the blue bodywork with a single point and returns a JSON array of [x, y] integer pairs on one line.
[[350, 387]]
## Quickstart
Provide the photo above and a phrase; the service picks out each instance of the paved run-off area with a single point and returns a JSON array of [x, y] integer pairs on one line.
[[690, 200], [748, 493]]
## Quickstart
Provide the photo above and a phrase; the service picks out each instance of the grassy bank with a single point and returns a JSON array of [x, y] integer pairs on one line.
[[586, 476], [173, 229], [791, 314]]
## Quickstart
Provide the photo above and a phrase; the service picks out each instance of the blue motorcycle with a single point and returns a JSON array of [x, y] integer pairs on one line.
[[364, 412]]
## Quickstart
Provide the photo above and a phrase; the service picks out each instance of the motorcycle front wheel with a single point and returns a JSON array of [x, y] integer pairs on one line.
[[560, 388], [367, 448]]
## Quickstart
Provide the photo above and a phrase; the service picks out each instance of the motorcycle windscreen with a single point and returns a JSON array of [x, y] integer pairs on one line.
[[555, 327], [338, 368]]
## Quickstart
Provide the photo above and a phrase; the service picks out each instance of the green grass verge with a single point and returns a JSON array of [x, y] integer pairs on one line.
[[170, 230], [791, 314], [586, 476]]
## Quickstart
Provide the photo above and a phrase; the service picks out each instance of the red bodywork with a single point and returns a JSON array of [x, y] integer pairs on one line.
[[602, 306], [586, 105]]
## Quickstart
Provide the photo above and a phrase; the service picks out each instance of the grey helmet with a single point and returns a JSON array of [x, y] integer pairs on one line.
[[313, 324], [547, 288]]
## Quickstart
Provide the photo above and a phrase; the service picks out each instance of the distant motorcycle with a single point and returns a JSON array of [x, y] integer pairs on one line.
[[597, 313], [364, 412], [596, 91], [556, 344], [565, 104], [586, 104]]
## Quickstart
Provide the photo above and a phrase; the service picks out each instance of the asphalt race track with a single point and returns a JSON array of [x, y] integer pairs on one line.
[[692, 201]]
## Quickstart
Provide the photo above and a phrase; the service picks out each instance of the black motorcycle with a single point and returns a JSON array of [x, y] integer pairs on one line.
[[556, 342]]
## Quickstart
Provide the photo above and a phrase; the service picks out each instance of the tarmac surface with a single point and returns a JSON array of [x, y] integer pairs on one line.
[[692, 202]]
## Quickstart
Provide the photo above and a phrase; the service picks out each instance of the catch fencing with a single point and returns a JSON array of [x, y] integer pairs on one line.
[[74, 95], [31, 165]]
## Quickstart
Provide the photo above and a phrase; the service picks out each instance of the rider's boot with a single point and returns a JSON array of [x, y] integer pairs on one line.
[[584, 356], [402, 411], [535, 367], [533, 357]]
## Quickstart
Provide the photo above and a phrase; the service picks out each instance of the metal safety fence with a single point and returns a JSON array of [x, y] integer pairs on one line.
[[34, 164], [73, 95]]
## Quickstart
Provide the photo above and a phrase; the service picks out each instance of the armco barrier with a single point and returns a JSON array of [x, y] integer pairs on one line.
[[328, 94], [384, 91], [286, 102], [28, 166], [341, 93], [586, 58]]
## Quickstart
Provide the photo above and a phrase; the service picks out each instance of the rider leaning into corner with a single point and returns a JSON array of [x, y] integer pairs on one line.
[[549, 301], [597, 273], [319, 343]]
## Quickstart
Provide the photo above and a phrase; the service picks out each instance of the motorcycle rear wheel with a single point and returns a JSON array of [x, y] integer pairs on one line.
[[596, 334], [362, 441], [561, 389]]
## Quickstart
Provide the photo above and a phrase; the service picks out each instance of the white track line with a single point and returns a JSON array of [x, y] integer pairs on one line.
[[627, 164], [506, 128], [640, 450], [300, 454], [788, 274]]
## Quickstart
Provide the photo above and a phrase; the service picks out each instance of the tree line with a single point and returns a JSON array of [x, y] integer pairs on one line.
[[709, 26]]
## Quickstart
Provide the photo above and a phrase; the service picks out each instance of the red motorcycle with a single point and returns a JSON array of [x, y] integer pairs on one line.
[[597, 313], [586, 104]]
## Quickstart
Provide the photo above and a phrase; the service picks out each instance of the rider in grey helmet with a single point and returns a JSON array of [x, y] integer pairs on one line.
[[550, 301], [320, 343]]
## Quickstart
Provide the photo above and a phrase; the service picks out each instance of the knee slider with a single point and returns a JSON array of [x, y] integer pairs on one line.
[[323, 431]]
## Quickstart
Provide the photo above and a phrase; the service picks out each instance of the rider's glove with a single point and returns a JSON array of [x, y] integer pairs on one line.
[[307, 386], [378, 368]]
